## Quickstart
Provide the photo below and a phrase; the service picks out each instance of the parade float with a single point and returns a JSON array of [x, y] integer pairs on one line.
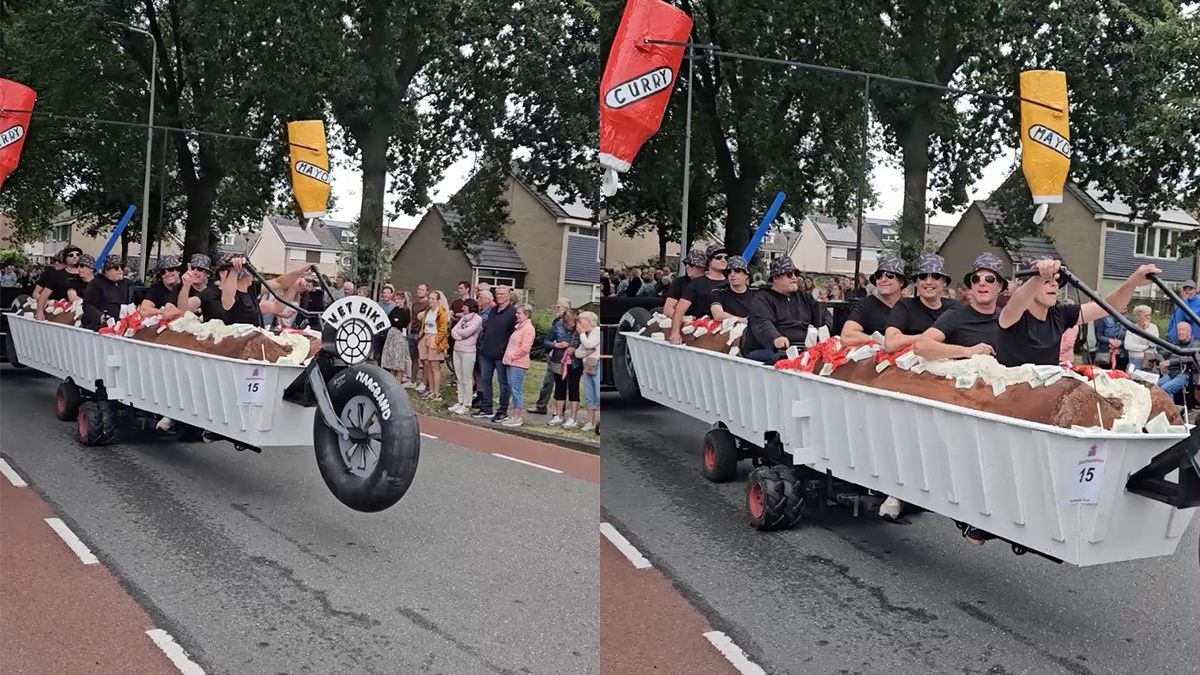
[[257, 389], [1077, 465]]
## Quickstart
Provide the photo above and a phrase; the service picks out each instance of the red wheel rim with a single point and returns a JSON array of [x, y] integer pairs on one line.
[[83, 427], [60, 402], [754, 499], [710, 457]]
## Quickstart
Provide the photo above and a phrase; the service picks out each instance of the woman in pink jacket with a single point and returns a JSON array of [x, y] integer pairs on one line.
[[516, 357], [465, 333]]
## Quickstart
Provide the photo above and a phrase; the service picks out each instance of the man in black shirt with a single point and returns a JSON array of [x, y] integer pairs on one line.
[[733, 301], [913, 316], [1032, 323], [235, 297], [779, 315], [165, 289], [870, 314], [194, 283], [971, 329], [694, 266], [490, 346], [57, 282], [104, 295], [635, 283], [699, 292]]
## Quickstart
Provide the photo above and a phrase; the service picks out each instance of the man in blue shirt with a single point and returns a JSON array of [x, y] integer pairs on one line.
[[1188, 293]]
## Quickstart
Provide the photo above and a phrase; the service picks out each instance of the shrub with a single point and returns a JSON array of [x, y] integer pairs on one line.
[[13, 256]]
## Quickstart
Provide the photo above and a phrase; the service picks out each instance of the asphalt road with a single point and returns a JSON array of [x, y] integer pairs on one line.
[[846, 595], [486, 566]]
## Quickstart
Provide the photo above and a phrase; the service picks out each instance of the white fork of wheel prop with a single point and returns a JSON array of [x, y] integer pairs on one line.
[[317, 382]]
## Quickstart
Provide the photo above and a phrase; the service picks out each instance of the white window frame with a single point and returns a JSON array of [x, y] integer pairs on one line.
[[297, 254], [495, 277], [60, 232], [1158, 243], [586, 231]]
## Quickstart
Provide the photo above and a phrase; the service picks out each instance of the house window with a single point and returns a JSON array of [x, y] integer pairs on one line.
[[1158, 242], [60, 232], [500, 278], [312, 257], [328, 257], [227, 238], [1121, 227], [838, 254], [295, 254], [586, 231]]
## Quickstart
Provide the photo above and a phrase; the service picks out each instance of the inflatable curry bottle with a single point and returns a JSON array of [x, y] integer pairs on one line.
[[310, 166], [1045, 134], [16, 107], [638, 80]]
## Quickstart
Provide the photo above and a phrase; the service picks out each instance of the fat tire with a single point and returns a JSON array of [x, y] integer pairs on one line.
[[783, 502], [624, 377], [10, 350], [187, 433], [96, 424], [724, 456], [400, 443], [67, 401]]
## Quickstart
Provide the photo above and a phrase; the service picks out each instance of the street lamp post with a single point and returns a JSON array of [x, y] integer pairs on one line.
[[149, 148]]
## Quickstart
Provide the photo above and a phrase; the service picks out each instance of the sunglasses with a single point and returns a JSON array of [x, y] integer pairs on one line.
[[72, 255], [986, 278], [923, 276], [720, 256], [889, 275], [790, 275]]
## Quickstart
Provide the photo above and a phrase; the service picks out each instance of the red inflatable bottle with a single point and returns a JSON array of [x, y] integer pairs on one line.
[[16, 106], [638, 79]]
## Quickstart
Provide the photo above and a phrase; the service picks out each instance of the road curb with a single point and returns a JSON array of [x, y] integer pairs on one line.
[[573, 444]]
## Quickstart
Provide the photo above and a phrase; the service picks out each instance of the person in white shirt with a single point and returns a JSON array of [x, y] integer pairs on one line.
[[589, 352], [1137, 346]]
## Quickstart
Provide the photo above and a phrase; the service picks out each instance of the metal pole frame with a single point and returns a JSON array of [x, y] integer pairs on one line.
[[149, 147], [687, 163], [862, 180]]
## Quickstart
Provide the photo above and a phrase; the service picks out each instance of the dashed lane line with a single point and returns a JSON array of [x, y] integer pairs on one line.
[[12, 475], [521, 461], [733, 653], [73, 542], [171, 648], [627, 549], [429, 436]]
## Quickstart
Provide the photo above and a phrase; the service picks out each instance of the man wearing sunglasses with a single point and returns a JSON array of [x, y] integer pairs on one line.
[[779, 316], [1032, 323], [58, 283], [695, 264], [699, 291], [733, 301], [870, 314], [971, 328], [913, 316]]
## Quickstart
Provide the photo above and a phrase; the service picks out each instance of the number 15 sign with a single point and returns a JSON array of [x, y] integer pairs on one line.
[[1085, 475]]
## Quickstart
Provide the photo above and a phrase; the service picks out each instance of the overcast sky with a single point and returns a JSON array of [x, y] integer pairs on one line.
[[886, 180]]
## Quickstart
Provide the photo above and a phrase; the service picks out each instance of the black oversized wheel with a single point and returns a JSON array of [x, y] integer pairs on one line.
[[372, 469], [186, 433], [624, 377], [67, 401], [774, 498], [720, 457], [96, 423]]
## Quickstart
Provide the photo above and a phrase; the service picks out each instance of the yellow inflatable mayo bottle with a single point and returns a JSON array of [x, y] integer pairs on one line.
[[1045, 134], [310, 166]]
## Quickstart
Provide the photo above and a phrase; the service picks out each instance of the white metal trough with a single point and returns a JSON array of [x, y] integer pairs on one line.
[[240, 400], [1019, 480]]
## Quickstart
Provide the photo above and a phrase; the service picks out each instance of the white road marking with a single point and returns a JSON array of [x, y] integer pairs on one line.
[[80, 549], [429, 435], [733, 653], [12, 476], [627, 549], [171, 648], [521, 461]]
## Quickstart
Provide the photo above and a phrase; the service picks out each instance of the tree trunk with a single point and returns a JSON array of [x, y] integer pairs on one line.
[[125, 246], [914, 145], [739, 213], [200, 202], [370, 214], [662, 246]]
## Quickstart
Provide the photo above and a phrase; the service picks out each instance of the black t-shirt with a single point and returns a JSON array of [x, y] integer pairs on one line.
[[1032, 341], [966, 328], [244, 310], [102, 297], [911, 317], [679, 286], [160, 294], [871, 314], [632, 288], [737, 304], [699, 293], [58, 281]]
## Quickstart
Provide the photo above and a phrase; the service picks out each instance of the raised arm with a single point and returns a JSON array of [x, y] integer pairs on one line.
[[1119, 299]]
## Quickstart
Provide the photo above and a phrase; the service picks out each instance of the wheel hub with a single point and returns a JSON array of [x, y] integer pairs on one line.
[[710, 457], [360, 453], [754, 499]]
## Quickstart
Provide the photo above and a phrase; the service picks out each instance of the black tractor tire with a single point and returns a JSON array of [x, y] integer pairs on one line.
[[10, 350], [97, 423], [67, 401], [623, 376], [379, 401], [720, 458], [774, 498], [186, 433]]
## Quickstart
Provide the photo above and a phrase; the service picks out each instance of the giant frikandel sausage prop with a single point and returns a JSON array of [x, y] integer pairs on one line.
[[638, 80], [16, 105], [310, 166], [1045, 134]]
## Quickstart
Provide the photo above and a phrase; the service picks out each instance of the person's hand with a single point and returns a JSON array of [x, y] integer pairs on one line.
[[781, 342], [561, 345], [1114, 343], [980, 348], [39, 315], [1047, 269], [192, 276], [238, 262], [676, 338], [1162, 367], [1141, 276]]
